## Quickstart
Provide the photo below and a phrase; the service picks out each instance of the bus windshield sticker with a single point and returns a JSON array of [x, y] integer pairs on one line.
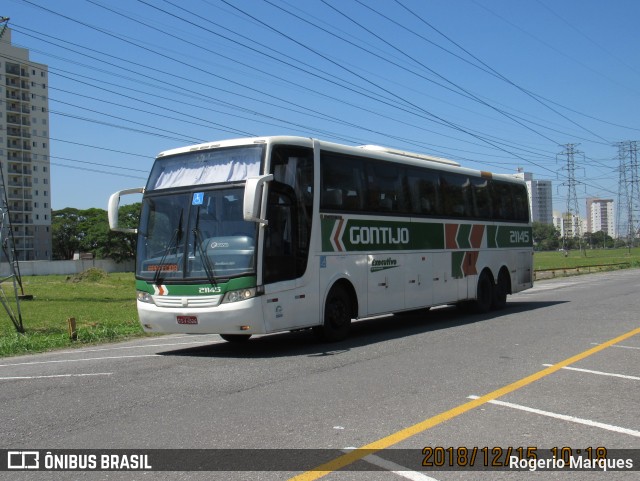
[[198, 198]]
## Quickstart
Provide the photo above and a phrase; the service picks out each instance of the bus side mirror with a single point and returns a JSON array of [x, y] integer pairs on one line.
[[112, 210], [253, 198]]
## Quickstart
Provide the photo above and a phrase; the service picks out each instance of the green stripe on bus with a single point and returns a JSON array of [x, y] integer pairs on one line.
[[353, 235], [464, 230], [198, 289], [456, 264], [348, 235], [509, 236]]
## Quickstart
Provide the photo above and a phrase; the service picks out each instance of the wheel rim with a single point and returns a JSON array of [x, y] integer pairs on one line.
[[337, 313]]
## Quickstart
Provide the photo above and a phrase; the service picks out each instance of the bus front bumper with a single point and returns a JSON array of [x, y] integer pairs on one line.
[[243, 317]]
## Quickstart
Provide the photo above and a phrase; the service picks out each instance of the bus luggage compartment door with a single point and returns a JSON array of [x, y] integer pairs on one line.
[[385, 283]]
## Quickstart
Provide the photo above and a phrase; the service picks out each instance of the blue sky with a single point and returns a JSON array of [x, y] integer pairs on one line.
[[493, 84]]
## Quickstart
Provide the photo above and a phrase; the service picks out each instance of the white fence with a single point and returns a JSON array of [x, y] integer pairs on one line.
[[45, 268]]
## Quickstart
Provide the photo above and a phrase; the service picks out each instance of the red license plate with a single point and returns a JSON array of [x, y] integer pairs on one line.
[[187, 320]]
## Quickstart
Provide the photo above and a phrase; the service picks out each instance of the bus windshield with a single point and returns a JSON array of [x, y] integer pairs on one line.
[[197, 235], [191, 224]]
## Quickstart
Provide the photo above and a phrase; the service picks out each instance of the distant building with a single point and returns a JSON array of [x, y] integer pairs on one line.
[[24, 149], [600, 216], [540, 198], [569, 224]]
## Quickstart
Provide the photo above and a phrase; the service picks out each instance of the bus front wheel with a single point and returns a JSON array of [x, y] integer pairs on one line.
[[337, 316]]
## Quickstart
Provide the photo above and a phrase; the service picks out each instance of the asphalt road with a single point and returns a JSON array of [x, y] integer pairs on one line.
[[402, 382]]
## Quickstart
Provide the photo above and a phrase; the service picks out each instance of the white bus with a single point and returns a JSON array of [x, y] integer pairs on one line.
[[262, 235]]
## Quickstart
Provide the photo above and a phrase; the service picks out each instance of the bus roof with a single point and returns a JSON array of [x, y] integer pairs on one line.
[[413, 155], [411, 158]]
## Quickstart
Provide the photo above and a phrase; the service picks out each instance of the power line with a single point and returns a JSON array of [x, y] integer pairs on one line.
[[323, 115], [306, 112], [498, 74]]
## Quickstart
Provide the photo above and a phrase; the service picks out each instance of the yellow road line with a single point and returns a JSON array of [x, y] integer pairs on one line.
[[410, 431]]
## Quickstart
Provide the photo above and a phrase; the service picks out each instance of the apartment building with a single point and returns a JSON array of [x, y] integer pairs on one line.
[[24, 151], [540, 198], [568, 224], [600, 216]]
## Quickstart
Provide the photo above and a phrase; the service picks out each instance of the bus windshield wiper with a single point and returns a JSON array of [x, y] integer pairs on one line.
[[206, 262], [174, 241]]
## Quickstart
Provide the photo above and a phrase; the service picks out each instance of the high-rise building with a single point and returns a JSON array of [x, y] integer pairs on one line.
[[568, 224], [540, 198], [600, 216], [24, 150]]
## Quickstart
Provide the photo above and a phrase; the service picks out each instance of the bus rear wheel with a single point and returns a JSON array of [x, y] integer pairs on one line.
[[501, 290], [235, 337], [484, 294], [337, 317]]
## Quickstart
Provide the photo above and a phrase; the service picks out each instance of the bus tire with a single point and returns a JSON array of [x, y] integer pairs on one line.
[[484, 294], [236, 338], [337, 316], [501, 290]]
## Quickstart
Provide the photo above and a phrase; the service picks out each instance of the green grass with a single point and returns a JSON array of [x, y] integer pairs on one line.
[[103, 305], [575, 258]]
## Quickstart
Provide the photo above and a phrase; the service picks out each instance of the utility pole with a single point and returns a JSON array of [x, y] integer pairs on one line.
[[572, 208]]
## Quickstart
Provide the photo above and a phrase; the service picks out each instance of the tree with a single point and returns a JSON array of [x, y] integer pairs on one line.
[[598, 240], [545, 237], [88, 230], [65, 233], [121, 246]]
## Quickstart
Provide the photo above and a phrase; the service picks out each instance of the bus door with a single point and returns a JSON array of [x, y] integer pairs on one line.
[[385, 282], [279, 260], [287, 299]]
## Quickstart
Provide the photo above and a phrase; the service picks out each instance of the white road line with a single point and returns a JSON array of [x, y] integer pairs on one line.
[[618, 345], [564, 417], [77, 360], [140, 346], [55, 375], [394, 468], [600, 373]]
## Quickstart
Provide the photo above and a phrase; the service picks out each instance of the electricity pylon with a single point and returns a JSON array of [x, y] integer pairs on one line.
[[573, 210], [9, 254]]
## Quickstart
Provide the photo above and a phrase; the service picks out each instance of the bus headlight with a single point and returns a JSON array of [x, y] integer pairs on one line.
[[239, 295], [145, 297]]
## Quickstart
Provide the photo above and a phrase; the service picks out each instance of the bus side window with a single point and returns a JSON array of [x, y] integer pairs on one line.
[[341, 183], [480, 190], [503, 200], [454, 189], [386, 192], [332, 198], [521, 200], [423, 191]]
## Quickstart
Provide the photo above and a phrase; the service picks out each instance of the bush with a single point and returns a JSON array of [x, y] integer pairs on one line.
[[92, 274]]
